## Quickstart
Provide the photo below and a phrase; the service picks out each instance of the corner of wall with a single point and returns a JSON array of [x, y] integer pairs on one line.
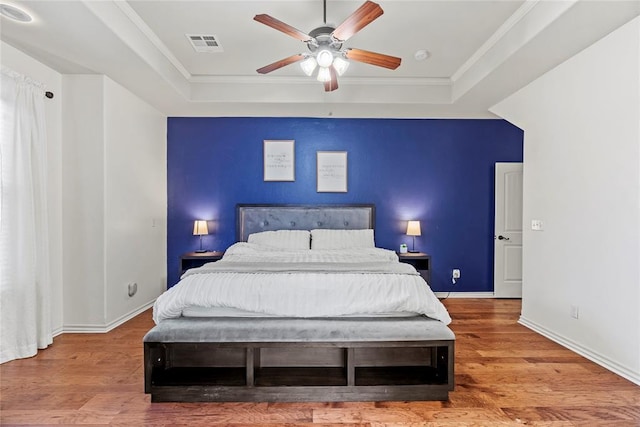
[[581, 151]]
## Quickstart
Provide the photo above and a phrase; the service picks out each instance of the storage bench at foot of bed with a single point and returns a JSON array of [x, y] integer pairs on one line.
[[191, 360]]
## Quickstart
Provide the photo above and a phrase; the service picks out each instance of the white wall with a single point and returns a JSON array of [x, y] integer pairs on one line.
[[135, 201], [107, 197], [83, 209], [114, 203], [582, 179], [18, 61]]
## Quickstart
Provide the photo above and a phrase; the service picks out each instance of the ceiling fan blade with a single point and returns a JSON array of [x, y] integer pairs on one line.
[[373, 58], [359, 19], [281, 26], [281, 63], [332, 84]]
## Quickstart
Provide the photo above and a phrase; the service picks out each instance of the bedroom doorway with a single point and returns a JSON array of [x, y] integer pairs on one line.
[[507, 268]]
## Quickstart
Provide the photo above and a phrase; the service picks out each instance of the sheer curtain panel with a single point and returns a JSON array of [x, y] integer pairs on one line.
[[25, 313]]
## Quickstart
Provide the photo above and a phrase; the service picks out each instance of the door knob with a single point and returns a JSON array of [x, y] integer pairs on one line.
[[501, 237]]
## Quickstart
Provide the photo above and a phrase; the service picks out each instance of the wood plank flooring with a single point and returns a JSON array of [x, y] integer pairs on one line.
[[506, 375]]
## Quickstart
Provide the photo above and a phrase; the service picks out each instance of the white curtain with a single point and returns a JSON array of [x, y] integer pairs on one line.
[[25, 313]]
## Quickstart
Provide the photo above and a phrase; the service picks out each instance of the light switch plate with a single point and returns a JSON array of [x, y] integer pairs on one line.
[[536, 224]]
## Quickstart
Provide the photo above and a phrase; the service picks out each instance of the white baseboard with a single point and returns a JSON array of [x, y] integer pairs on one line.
[[464, 294], [595, 357], [101, 329]]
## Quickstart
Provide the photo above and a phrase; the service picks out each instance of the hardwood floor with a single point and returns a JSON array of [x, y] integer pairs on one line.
[[506, 375]]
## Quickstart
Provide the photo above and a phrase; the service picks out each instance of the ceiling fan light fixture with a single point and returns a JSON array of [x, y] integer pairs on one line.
[[324, 58], [340, 64], [308, 65], [324, 75], [325, 44]]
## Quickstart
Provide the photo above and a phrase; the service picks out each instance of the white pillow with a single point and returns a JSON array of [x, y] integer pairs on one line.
[[281, 239], [342, 239]]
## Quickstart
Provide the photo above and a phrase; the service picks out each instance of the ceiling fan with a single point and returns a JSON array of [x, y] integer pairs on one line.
[[325, 46]]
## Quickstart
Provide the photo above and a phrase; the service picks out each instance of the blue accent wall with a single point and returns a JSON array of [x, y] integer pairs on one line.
[[440, 172]]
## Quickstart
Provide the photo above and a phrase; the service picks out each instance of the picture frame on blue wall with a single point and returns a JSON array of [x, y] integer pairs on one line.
[[279, 160], [331, 171]]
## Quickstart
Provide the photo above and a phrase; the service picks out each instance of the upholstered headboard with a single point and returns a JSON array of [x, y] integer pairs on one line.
[[256, 218]]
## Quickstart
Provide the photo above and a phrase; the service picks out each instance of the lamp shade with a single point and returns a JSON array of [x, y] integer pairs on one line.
[[413, 228], [324, 75], [324, 58], [200, 228], [341, 65], [308, 65]]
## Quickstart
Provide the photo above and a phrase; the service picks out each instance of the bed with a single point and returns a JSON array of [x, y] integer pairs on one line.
[[303, 307]]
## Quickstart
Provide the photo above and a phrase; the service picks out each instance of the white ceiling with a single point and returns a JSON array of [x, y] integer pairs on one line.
[[480, 51]]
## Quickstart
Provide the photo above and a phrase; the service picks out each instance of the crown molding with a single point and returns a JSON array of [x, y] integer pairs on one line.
[[501, 32], [153, 38], [303, 80], [131, 30], [531, 19]]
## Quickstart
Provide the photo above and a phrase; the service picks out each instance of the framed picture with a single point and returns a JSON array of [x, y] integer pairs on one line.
[[332, 171], [279, 160]]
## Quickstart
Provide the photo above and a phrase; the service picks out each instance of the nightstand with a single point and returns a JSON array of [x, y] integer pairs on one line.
[[421, 261], [198, 259]]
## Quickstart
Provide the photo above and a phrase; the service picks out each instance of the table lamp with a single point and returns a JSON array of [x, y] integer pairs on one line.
[[413, 229], [200, 229]]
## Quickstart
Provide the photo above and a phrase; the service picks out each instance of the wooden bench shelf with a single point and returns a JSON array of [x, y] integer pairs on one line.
[[322, 371]]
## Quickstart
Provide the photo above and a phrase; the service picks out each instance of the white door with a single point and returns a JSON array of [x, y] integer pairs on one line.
[[507, 268]]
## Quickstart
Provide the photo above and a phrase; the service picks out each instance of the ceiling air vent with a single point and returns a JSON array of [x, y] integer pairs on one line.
[[204, 43]]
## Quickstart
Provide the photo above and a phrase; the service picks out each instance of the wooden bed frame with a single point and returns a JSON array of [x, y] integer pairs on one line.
[[190, 360]]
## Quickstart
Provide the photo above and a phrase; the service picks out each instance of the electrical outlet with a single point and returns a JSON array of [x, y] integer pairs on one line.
[[536, 225], [132, 288], [456, 273]]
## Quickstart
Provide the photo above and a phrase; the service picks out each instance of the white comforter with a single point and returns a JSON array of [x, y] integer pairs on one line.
[[306, 283]]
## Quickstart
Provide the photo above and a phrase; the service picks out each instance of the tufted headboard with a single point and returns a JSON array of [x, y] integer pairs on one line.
[[256, 218]]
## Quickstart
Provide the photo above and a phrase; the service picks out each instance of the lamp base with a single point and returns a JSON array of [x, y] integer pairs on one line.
[[413, 252], [200, 251]]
